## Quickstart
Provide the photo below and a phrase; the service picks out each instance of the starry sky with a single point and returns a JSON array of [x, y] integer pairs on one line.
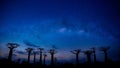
[[63, 24]]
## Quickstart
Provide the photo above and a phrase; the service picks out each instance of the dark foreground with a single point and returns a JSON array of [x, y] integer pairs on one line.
[[7, 64]]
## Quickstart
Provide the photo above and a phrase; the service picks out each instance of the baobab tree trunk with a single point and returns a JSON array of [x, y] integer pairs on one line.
[[89, 58], [95, 57], [44, 59], [29, 50], [55, 60], [34, 58], [28, 57], [52, 59], [40, 58], [94, 54], [77, 59], [105, 49], [106, 56], [41, 51], [10, 54], [88, 54], [76, 52], [52, 52]]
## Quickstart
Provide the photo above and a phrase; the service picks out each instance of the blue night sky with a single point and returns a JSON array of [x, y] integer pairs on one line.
[[66, 24]]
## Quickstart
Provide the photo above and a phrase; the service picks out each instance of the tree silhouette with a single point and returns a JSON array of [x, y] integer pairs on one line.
[[11, 46], [52, 52], [55, 58], [41, 51], [45, 55], [88, 54], [94, 52], [34, 53], [18, 61], [29, 50], [105, 49], [76, 52]]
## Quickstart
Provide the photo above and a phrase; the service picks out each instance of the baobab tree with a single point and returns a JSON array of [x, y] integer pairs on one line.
[[94, 53], [29, 50], [76, 52], [104, 50], [52, 52], [41, 51], [55, 58], [11, 46], [34, 53], [45, 55], [88, 54]]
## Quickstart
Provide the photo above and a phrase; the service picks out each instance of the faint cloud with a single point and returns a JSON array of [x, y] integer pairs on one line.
[[81, 31], [21, 52], [61, 30], [64, 29], [29, 44]]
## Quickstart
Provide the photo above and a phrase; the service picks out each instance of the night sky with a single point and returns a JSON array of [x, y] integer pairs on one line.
[[62, 24]]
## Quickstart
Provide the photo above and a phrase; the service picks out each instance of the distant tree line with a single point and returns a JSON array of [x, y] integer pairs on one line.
[[53, 51]]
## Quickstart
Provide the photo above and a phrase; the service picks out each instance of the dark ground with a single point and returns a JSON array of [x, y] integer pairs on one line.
[[4, 63]]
